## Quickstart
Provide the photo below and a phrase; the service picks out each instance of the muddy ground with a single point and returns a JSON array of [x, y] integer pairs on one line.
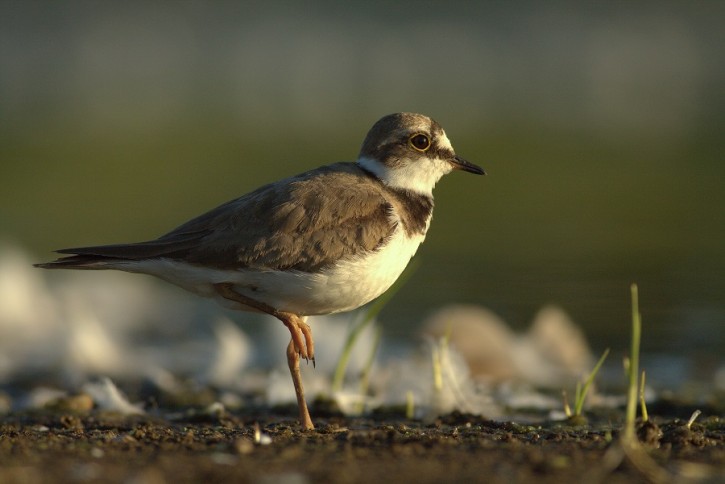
[[56, 445]]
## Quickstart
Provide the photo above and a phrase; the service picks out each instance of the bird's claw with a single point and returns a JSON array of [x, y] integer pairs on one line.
[[302, 340], [312, 359]]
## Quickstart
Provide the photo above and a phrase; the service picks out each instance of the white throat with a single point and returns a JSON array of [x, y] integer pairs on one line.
[[418, 176]]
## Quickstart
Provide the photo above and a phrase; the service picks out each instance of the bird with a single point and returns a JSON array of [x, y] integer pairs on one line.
[[326, 241]]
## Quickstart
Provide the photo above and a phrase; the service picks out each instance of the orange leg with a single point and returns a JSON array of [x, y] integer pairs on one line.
[[293, 360], [300, 346]]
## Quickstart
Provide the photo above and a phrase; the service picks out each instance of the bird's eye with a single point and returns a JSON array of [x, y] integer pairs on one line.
[[420, 142]]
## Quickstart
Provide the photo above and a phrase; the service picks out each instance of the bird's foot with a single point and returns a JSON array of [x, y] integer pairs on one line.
[[301, 335]]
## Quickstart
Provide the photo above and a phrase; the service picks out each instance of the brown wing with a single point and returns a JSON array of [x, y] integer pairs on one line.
[[296, 223]]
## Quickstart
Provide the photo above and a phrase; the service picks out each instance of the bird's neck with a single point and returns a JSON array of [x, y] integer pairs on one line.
[[414, 177], [414, 210]]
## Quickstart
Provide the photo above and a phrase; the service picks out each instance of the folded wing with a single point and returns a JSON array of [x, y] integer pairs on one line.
[[296, 224]]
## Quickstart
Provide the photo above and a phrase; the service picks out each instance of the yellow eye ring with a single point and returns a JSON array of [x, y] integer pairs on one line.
[[419, 142]]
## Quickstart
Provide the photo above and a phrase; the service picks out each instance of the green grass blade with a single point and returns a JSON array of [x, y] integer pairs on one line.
[[633, 387], [582, 395], [409, 405], [567, 409], [437, 369], [642, 403]]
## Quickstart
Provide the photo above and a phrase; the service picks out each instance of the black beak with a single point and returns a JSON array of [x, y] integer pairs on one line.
[[461, 164]]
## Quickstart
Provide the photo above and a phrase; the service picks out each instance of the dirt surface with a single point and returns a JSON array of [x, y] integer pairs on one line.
[[92, 446]]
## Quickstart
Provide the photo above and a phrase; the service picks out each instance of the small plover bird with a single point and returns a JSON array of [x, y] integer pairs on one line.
[[326, 241]]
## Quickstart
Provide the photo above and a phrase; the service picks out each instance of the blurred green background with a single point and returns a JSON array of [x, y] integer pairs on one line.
[[600, 125]]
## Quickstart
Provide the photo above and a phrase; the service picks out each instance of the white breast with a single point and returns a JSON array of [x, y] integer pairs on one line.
[[355, 282]]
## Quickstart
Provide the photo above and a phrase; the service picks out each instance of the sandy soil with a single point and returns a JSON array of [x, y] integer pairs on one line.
[[92, 446]]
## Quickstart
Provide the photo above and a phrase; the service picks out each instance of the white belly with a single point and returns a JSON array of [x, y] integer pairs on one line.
[[345, 286]]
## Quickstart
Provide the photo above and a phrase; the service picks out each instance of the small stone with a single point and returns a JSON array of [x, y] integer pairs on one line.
[[243, 446], [81, 402], [6, 403]]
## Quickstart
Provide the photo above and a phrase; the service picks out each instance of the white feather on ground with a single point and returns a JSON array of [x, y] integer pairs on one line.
[[108, 397]]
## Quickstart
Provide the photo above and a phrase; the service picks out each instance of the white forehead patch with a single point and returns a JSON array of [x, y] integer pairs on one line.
[[445, 142]]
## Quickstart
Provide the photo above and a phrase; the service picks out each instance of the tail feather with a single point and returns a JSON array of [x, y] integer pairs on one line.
[[105, 256], [89, 262]]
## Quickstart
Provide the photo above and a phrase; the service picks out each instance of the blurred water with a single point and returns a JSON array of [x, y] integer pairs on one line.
[[600, 127]]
